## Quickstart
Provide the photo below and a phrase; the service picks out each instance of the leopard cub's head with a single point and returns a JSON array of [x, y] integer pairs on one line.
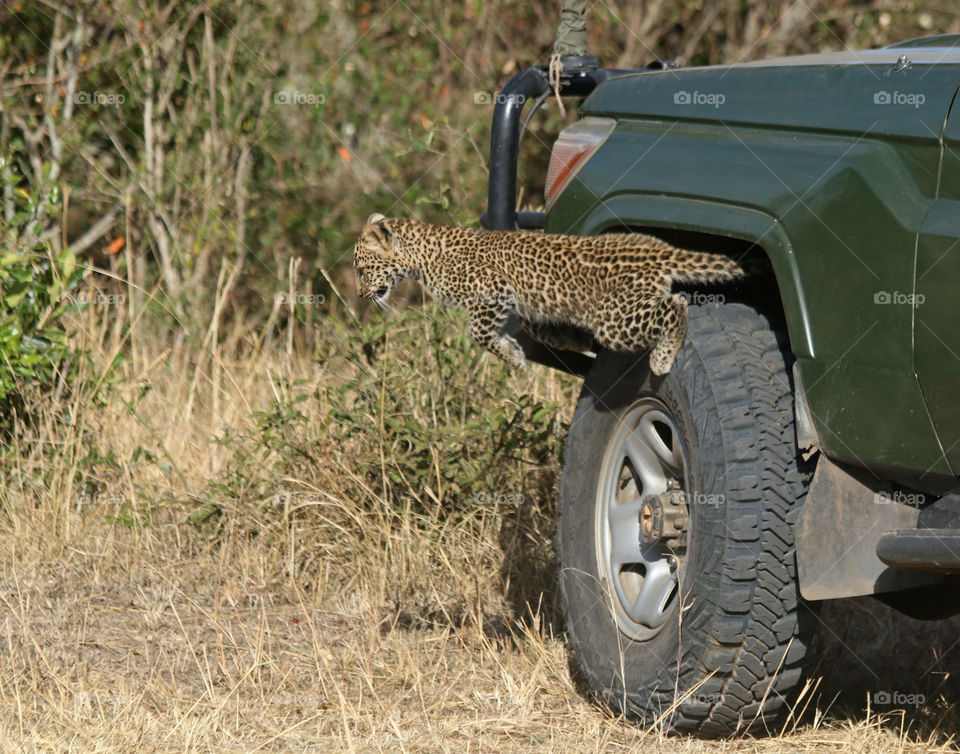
[[376, 261]]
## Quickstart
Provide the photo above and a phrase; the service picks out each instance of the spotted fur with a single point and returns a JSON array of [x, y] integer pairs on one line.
[[566, 291]]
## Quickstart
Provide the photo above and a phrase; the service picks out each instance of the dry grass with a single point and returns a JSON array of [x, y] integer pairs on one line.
[[335, 621]]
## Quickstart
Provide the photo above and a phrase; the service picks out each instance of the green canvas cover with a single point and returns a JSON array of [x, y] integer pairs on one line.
[[572, 31]]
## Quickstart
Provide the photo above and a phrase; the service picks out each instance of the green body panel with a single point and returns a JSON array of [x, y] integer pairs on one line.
[[937, 328], [831, 164]]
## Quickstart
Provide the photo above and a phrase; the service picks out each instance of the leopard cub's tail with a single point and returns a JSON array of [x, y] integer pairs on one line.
[[700, 267]]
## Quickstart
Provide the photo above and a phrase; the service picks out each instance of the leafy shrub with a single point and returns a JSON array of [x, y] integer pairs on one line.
[[35, 288], [414, 413], [449, 428]]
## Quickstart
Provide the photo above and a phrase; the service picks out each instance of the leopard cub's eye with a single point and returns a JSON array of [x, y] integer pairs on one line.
[[361, 270]]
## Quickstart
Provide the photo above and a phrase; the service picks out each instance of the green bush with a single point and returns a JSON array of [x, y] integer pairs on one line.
[[435, 418], [414, 413], [35, 290]]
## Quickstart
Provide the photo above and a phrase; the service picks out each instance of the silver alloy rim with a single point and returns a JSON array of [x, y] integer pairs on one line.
[[645, 456]]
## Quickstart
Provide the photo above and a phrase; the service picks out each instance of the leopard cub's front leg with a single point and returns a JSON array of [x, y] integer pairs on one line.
[[488, 317]]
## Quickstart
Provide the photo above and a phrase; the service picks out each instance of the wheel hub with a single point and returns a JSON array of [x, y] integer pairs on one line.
[[663, 517]]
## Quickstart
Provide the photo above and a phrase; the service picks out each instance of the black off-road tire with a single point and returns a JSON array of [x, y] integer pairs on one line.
[[731, 661]]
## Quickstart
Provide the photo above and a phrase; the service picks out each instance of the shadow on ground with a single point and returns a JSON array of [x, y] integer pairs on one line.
[[868, 654]]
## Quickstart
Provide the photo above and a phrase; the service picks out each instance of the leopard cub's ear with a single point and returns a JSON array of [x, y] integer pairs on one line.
[[378, 227]]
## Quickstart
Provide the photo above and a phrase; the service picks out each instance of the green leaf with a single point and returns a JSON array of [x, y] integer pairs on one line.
[[13, 300]]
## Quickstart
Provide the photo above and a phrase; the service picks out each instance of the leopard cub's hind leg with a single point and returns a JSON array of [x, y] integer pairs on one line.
[[488, 318], [647, 319], [672, 316]]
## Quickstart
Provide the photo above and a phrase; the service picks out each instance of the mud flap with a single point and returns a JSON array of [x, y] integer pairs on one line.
[[845, 514]]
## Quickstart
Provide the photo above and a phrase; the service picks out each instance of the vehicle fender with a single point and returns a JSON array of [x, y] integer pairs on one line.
[[685, 213]]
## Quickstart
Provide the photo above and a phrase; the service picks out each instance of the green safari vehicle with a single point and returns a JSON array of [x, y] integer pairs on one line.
[[806, 444]]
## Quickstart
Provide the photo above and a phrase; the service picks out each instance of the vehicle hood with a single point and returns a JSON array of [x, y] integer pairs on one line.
[[899, 91]]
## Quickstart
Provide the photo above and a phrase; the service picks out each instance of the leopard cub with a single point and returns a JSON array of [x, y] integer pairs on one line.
[[566, 291]]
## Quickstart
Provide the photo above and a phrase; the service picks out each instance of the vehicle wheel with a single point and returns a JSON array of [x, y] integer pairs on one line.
[[681, 490]]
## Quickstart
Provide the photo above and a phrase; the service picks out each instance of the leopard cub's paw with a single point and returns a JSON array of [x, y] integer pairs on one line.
[[512, 353], [661, 360]]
